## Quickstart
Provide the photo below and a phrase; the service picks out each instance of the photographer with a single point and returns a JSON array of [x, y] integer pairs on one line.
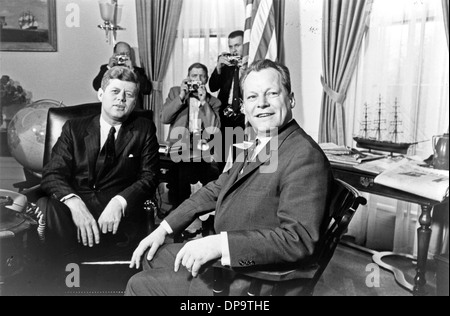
[[190, 109], [226, 78], [122, 57]]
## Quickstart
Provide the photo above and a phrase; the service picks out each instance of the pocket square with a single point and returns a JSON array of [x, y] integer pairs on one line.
[[131, 156]]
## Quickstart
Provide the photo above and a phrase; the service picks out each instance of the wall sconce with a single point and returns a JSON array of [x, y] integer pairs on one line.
[[111, 13]]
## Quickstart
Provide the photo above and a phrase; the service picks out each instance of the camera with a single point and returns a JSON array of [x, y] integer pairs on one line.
[[233, 58], [193, 85], [229, 112], [122, 59]]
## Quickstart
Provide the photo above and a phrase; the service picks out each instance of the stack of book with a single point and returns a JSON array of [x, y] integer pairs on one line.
[[347, 155]]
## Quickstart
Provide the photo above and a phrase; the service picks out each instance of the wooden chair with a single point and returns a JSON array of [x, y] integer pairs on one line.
[[345, 202]]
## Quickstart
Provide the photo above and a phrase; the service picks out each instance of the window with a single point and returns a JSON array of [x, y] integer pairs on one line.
[[404, 62], [203, 34]]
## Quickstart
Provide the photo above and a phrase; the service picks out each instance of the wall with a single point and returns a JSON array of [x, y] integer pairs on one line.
[[66, 75], [303, 40]]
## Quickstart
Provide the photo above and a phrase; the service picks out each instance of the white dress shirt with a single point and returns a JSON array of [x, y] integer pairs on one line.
[[194, 122]]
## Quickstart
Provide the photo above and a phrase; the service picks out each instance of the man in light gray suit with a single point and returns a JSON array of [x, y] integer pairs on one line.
[[268, 212]]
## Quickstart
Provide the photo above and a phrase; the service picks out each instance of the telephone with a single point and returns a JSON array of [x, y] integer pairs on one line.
[[13, 200], [14, 224], [16, 213]]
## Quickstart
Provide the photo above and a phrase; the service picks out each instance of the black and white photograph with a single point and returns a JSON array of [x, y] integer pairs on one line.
[[226, 153]]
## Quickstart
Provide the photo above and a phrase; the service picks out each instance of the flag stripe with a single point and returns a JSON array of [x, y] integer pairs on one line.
[[260, 41], [267, 36]]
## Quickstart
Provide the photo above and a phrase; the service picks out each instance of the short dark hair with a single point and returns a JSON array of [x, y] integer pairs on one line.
[[121, 73], [267, 64], [198, 65], [236, 34]]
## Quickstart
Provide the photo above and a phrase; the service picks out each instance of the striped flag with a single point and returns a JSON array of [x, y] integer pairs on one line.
[[260, 39]]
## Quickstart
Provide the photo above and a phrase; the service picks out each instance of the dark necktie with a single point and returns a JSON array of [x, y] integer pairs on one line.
[[236, 103], [107, 155]]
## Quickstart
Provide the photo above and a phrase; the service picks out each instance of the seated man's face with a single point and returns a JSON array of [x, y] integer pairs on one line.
[[118, 100], [267, 104], [198, 74], [236, 45]]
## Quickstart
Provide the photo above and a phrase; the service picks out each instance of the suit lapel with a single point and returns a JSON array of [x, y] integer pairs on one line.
[[92, 143], [124, 137], [236, 179]]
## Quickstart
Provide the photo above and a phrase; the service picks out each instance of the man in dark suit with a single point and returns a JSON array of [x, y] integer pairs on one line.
[[270, 208], [226, 80], [122, 56], [193, 115], [101, 171]]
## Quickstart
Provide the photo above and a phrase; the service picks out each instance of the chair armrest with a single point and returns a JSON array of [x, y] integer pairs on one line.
[[34, 193]]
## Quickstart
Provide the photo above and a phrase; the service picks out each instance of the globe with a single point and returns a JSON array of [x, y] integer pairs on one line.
[[26, 134]]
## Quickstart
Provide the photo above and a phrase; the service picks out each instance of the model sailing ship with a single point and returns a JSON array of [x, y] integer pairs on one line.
[[27, 21], [377, 142]]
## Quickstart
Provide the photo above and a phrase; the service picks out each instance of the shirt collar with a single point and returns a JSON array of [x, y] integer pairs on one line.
[[106, 126]]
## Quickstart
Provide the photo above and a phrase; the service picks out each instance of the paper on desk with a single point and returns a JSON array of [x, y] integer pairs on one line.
[[380, 165], [410, 177]]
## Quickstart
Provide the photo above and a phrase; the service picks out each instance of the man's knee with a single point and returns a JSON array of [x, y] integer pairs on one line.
[[146, 284]]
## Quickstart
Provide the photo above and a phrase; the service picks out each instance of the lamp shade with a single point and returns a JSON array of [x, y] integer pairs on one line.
[[106, 10], [119, 14]]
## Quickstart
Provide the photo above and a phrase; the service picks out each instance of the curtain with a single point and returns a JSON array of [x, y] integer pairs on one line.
[[157, 21], [404, 62], [445, 8], [344, 25], [203, 38], [279, 6]]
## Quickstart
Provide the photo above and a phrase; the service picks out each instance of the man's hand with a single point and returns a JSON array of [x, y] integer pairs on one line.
[[202, 94], [88, 232], [152, 241], [112, 61], [110, 219], [184, 89], [222, 60], [198, 252], [128, 64]]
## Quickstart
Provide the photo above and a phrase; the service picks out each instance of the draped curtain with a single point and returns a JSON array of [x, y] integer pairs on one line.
[[344, 25], [404, 61], [445, 8], [279, 6], [157, 22]]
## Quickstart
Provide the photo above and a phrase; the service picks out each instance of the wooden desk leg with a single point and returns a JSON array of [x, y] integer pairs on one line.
[[424, 235]]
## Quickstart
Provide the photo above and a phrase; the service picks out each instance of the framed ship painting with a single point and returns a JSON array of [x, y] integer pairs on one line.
[[28, 25]]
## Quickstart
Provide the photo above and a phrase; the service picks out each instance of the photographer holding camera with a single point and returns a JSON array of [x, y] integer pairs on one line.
[[122, 57], [190, 109], [226, 78]]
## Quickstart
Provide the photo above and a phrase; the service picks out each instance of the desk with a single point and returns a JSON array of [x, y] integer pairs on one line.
[[364, 181]]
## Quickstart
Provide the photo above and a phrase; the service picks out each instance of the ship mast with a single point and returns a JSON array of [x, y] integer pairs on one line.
[[365, 123], [395, 123], [379, 121]]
